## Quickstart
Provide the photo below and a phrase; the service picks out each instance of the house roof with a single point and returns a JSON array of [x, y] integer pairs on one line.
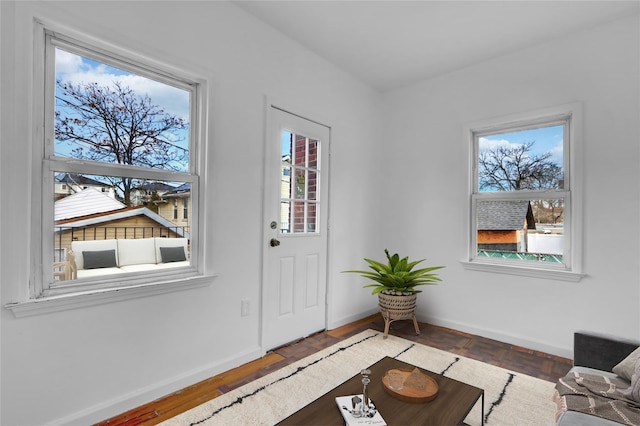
[[182, 191], [86, 202], [184, 187], [99, 218], [157, 186], [75, 179], [504, 215]]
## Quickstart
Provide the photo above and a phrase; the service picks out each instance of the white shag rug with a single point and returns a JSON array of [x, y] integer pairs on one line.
[[510, 398]]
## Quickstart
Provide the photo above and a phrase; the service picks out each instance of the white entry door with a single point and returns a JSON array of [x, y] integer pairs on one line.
[[295, 252]]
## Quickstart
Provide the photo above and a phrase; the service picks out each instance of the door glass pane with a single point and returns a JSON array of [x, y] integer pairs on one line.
[[313, 154], [285, 214], [311, 217], [301, 150], [299, 183], [286, 146], [298, 217], [312, 185], [285, 182]]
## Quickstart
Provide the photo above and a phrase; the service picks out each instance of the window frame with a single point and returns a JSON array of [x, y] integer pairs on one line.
[[42, 287], [571, 116]]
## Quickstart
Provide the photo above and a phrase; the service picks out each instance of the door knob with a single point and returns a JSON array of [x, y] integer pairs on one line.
[[274, 242]]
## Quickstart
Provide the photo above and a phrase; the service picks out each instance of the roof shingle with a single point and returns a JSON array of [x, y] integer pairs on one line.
[[504, 215]]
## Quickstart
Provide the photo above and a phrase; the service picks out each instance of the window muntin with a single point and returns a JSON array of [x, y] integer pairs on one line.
[[126, 127], [521, 194]]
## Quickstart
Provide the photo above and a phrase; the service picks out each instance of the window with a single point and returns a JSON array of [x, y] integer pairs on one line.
[[120, 134], [523, 194], [298, 198]]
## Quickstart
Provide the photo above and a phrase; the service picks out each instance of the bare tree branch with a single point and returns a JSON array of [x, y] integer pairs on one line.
[[514, 168], [115, 124]]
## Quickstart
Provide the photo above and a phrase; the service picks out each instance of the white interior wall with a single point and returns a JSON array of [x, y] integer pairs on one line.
[[87, 364], [599, 68], [404, 190]]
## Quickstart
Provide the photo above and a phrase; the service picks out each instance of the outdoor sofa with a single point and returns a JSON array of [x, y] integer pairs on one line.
[[97, 258]]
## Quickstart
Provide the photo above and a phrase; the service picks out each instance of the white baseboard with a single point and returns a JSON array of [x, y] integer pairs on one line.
[[472, 329], [123, 403], [331, 324], [500, 336]]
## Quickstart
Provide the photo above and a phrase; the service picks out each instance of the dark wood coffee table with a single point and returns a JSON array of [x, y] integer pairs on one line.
[[453, 403]]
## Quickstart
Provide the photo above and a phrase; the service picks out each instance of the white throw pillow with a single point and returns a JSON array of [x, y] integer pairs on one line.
[[626, 367], [136, 252], [634, 390]]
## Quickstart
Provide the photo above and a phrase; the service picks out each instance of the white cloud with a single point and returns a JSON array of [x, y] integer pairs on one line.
[[557, 153], [67, 62], [71, 67], [556, 150], [490, 145]]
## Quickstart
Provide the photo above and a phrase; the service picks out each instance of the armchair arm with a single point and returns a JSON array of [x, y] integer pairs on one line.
[[61, 271], [73, 268], [599, 351]]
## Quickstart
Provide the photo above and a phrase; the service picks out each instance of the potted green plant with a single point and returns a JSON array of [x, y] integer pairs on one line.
[[395, 284]]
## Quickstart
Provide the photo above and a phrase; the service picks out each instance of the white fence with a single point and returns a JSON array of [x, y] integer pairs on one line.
[[545, 243]]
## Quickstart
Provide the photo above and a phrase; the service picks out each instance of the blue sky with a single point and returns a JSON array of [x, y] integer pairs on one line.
[[78, 69], [547, 139], [286, 143]]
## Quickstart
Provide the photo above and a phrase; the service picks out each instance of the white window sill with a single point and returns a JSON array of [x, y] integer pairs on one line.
[[523, 271], [81, 299]]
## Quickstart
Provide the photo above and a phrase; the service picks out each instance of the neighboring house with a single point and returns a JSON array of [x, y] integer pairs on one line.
[[176, 206], [504, 225], [84, 203], [150, 194], [70, 183]]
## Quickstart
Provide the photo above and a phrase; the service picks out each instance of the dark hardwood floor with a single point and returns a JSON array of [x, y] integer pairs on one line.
[[515, 358]]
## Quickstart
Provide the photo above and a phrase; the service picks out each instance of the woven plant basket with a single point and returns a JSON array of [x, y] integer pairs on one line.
[[397, 307]]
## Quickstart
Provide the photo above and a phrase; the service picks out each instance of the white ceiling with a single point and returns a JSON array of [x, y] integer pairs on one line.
[[388, 44]]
